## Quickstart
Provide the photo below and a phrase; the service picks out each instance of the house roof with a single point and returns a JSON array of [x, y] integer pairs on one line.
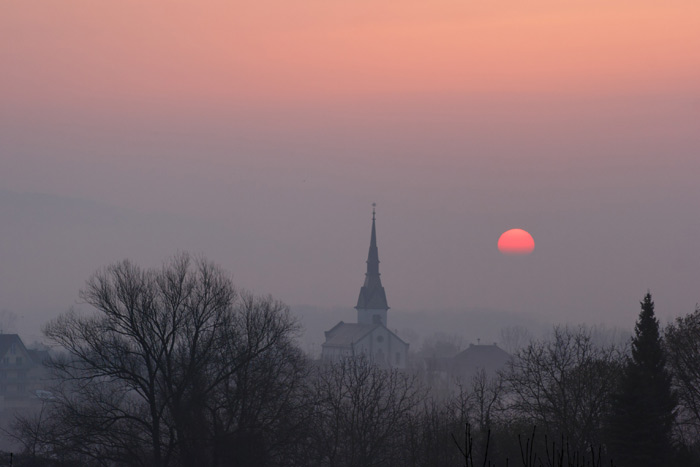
[[6, 340], [488, 357], [36, 357]]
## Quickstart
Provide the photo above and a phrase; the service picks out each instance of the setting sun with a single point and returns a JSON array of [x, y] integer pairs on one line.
[[516, 242]]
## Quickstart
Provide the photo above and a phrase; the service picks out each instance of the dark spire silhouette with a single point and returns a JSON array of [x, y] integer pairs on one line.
[[372, 295]]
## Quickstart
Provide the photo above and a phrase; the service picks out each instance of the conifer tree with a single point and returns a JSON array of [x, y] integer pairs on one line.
[[644, 406]]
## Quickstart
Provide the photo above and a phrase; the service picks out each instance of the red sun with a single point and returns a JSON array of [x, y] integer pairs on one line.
[[516, 242]]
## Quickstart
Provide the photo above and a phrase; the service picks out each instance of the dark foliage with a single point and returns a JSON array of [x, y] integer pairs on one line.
[[534, 451], [177, 368], [174, 367], [683, 347], [643, 411], [362, 414], [564, 385]]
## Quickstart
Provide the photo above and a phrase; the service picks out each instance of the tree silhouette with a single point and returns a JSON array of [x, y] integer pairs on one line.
[[564, 385], [643, 412], [173, 366], [683, 347]]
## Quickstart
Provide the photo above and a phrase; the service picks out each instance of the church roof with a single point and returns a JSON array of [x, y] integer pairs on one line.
[[346, 334], [372, 295]]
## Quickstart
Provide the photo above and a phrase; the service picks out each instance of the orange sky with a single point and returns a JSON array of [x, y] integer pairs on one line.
[[93, 53], [268, 127]]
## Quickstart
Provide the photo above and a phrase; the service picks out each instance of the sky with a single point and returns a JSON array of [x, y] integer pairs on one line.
[[258, 134]]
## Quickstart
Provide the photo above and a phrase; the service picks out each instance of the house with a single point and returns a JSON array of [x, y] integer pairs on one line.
[[21, 373], [489, 358], [370, 336]]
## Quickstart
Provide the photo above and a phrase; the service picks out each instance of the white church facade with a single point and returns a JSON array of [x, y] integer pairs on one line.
[[370, 336]]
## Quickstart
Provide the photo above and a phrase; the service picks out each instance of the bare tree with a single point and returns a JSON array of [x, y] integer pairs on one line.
[[564, 385], [363, 413], [683, 350], [428, 441], [153, 375], [486, 395]]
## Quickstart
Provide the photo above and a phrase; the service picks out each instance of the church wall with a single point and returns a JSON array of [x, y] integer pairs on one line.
[[383, 346], [399, 352]]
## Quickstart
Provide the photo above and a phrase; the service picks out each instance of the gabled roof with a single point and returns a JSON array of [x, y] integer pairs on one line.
[[36, 357], [372, 295], [488, 357], [6, 340], [346, 334]]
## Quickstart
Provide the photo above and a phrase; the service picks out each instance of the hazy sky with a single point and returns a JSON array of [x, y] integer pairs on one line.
[[259, 133]]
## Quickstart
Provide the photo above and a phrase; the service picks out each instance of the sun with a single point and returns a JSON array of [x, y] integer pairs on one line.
[[516, 242]]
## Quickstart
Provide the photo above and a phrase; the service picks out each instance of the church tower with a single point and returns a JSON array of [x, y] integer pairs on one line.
[[371, 304], [369, 336]]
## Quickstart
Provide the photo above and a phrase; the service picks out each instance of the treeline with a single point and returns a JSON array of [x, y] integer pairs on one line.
[[175, 367]]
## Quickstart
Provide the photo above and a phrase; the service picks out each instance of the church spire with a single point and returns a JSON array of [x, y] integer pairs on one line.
[[371, 304], [373, 256]]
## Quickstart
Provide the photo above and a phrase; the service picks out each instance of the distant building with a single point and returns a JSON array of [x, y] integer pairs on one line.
[[21, 374], [489, 358], [467, 363], [370, 336]]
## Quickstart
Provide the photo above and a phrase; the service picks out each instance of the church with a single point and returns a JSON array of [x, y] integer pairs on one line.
[[370, 336]]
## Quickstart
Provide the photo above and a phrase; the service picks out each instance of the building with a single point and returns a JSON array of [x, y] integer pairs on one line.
[[21, 374], [477, 357], [370, 336]]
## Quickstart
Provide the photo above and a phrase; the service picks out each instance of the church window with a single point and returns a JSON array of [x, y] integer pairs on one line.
[[398, 358], [380, 339]]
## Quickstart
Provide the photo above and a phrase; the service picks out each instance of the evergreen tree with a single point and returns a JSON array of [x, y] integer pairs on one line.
[[643, 411]]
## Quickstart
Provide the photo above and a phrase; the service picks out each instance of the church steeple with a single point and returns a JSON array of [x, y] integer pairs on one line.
[[371, 304]]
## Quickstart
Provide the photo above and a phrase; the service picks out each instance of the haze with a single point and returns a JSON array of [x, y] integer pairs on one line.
[[259, 133]]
